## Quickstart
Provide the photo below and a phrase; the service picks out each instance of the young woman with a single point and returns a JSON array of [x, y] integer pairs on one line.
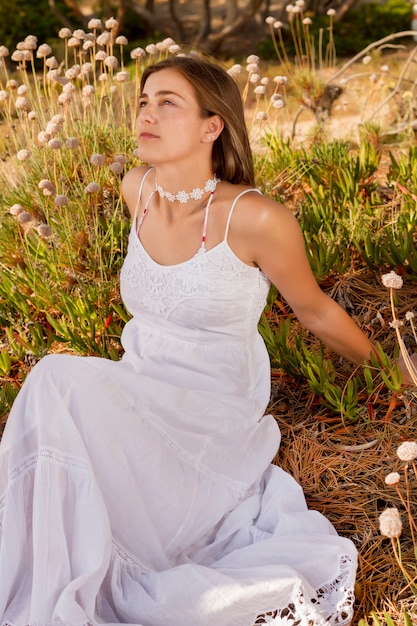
[[142, 492]]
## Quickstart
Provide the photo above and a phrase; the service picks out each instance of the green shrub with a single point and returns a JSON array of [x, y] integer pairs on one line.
[[358, 28]]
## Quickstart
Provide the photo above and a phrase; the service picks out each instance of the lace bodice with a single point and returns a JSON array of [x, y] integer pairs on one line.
[[212, 291]]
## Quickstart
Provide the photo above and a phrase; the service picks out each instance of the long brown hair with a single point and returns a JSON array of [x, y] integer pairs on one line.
[[217, 94]]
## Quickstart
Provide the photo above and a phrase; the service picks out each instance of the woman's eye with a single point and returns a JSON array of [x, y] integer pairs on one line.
[[142, 104]]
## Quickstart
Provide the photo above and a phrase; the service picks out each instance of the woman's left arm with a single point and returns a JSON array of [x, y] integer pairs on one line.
[[279, 250]]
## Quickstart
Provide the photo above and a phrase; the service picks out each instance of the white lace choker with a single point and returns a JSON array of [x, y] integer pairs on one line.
[[184, 196]]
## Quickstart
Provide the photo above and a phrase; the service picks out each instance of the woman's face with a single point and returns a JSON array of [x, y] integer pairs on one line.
[[169, 125]]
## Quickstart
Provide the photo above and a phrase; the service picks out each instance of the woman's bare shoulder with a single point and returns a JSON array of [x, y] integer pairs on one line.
[[131, 184], [260, 212]]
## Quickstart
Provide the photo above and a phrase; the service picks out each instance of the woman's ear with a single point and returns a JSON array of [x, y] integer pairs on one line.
[[213, 128]]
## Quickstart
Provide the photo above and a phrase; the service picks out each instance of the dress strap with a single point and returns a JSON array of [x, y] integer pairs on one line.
[[142, 182], [206, 215], [242, 193]]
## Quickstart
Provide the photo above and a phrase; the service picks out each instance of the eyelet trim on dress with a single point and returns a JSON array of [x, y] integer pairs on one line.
[[128, 559], [45, 453], [300, 613]]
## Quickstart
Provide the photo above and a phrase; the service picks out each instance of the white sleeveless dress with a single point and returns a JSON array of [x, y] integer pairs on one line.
[[142, 491]]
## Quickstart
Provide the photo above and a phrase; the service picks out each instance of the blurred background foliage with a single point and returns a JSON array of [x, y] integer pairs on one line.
[[223, 27]]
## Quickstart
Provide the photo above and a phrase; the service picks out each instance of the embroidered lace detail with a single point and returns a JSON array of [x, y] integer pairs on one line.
[[128, 559], [56, 457], [332, 604], [216, 272]]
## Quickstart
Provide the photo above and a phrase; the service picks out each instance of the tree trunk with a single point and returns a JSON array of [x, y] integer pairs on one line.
[[205, 29], [175, 20], [214, 40], [62, 18], [232, 11]]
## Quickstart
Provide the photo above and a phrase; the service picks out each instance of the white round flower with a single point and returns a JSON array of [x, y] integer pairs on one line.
[[259, 90], [43, 137], [72, 143], [64, 98], [24, 217], [116, 168], [97, 159], [23, 155], [52, 63], [94, 23], [60, 200], [12, 84], [121, 40], [43, 51], [44, 231], [86, 69], [278, 103], [88, 91], [137, 53], [73, 42], [78, 33], [30, 42], [261, 116], [396, 324], [270, 19], [390, 524], [331, 12], [111, 23], [407, 451], [22, 103], [4, 95], [53, 75], [45, 184], [151, 49], [122, 77], [111, 61], [16, 209], [252, 67], [366, 59], [104, 38], [72, 73], [64, 33], [235, 70], [392, 280], [55, 144], [17, 56], [392, 479], [92, 188], [101, 55], [69, 88], [281, 80]]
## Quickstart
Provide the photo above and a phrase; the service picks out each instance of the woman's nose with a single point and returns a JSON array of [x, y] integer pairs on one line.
[[146, 114]]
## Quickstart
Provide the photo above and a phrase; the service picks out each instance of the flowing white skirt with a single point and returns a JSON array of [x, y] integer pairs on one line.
[[106, 519]]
